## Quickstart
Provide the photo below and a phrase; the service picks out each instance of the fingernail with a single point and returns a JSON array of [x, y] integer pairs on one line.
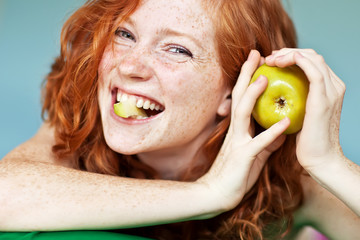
[[284, 120], [251, 54], [280, 57], [269, 58], [260, 79]]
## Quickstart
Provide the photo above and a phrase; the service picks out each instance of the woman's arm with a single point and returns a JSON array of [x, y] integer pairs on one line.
[[40, 196], [318, 148], [327, 213], [341, 177], [36, 195]]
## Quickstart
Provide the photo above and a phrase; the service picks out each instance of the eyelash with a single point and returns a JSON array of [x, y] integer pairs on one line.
[[179, 50], [119, 32]]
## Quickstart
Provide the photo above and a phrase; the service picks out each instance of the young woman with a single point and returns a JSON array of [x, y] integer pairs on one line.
[[197, 155]]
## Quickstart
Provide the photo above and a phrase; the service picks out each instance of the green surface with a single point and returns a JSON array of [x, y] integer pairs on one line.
[[69, 235]]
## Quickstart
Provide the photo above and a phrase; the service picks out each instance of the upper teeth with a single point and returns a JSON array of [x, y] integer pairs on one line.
[[138, 101]]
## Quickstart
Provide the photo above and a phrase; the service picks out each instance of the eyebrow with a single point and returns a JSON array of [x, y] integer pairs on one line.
[[169, 32]]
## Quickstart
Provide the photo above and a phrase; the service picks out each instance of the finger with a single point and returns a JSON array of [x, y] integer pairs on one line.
[[252, 128], [262, 61], [311, 69], [286, 57], [339, 85], [274, 52], [264, 140], [241, 116], [317, 105], [270, 59], [247, 70], [319, 62], [315, 77], [275, 145]]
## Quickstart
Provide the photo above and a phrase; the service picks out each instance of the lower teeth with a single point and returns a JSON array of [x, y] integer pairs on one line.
[[138, 117]]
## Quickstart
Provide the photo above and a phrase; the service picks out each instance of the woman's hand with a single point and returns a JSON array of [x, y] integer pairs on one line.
[[318, 141], [242, 155], [318, 148]]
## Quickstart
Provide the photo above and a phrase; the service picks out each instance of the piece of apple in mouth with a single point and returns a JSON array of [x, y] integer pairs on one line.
[[130, 107], [128, 110]]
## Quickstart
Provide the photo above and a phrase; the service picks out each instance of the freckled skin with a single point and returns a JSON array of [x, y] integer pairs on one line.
[[191, 89]]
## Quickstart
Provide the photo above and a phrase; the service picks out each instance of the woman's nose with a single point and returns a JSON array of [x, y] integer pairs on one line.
[[135, 64]]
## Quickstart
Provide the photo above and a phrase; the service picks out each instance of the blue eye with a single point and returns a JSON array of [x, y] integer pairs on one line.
[[124, 34], [180, 50]]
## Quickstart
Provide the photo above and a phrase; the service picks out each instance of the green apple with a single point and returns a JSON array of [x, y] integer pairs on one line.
[[128, 109], [285, 96]]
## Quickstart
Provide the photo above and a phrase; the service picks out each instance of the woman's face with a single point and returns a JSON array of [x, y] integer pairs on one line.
[[164, 57]]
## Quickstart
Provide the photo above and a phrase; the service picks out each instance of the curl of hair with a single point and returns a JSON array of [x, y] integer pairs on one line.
[[70, 90], [70, 102]]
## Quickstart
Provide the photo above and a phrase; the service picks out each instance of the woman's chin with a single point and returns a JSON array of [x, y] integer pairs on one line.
[[125, 149]]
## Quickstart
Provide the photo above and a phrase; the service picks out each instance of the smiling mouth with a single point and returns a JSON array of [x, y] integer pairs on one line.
[[135, 107]]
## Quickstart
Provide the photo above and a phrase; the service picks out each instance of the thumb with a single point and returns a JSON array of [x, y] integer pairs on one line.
[[275, 145], [269, 140]]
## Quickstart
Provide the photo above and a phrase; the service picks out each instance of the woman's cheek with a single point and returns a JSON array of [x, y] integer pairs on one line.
[[110, 59]]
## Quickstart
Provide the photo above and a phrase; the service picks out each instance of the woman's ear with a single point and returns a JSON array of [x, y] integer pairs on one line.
[[225, 104]]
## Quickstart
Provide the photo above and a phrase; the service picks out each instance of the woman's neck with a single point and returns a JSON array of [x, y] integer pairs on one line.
[[172, 163]]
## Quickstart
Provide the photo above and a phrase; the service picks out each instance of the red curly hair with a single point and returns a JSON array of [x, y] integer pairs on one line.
[[71, 105]]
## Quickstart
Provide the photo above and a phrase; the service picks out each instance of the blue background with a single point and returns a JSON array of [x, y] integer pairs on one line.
[[29, 41]]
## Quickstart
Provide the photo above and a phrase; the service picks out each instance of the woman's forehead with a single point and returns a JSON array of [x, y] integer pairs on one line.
[[188, 16]]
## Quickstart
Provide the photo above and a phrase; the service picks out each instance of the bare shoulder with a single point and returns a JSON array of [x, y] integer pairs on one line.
[[325, 212], [38, 148]]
